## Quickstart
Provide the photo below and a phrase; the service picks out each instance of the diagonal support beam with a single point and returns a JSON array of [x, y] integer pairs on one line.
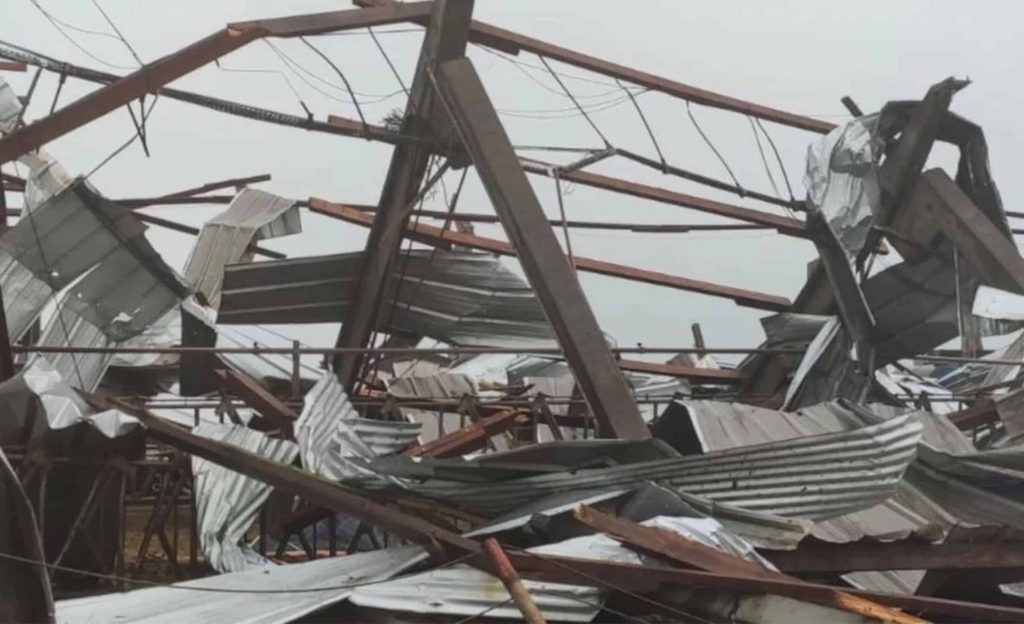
[[445, 39], [546, 267], [154, 75]]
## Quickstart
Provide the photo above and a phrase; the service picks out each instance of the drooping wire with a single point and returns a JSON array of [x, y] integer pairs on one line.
[[523, 64], [565, 222], [127, 143], [714, 149], [118, 31], [226, 590], [576, 103], [281, 74], [298, 69], [643, 118], [387, 59], [341, 75], [57, 25], [764, 159], [778, 158], [480, 614]]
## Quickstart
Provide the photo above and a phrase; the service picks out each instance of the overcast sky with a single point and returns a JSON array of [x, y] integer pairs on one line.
[[799, 56]]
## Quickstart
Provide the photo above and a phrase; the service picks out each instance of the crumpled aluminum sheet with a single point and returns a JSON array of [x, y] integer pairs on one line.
[[842, 182], [9, 107], [228, 502], [817, 477], [331, 434], [57, 405], [225, 239], [275, 605]]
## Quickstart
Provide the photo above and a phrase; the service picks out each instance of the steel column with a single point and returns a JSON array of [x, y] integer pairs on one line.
[[445, 39], [549, 272]]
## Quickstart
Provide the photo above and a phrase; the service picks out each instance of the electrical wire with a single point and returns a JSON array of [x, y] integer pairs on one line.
[[387, 59], [576, 103], [84, 31], [225, 590], [72, 41], [493, 607], [523, 64], [337, 70], [707, 140], [778, 158], [123, 147], [281, 74], [647, 126], [764, 159], [118, 31], [298, 68]]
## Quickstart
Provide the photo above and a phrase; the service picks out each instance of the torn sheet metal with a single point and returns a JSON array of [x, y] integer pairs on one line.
[[827, 371], [260, 596], [253, 215], [10, 107], [994, 303], [443, 385], [331, 433], [817, 477], [842, 180], [461, 298], [227, 502], [1010, 409], [37, 400]]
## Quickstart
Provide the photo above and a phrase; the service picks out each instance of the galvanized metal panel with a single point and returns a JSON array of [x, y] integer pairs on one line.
[[458, 297], [228, 502], [268, 595], [816, 477], [225, 239]]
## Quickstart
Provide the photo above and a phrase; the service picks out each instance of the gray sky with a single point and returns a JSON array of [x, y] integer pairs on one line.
[[799, 56]]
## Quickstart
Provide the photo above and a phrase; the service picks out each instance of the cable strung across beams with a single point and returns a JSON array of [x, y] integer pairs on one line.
[[151, 77]]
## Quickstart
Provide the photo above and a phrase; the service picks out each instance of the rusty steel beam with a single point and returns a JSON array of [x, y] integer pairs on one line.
[[435, 236], [785, 225], [982, 412], [906, 554], [651, 578], [666, 544], [470, 438], [513, 43], [13, 66], [692, 373], [153, 76], [259, 398], [445, 39], [445, 545], [516, 590], [550, 274]]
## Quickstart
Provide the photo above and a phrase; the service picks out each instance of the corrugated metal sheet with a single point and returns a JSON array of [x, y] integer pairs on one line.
[[37, 400], [815, 477], [460, 297], [83, 370], [9, 107], [252, 215], [331, 434], [279, 594], [227, 502]]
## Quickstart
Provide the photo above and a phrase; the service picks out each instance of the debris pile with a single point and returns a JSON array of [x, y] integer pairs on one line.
[[474, 446]]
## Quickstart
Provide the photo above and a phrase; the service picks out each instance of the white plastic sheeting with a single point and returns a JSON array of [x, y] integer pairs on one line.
[[279, 594], [841, 180], [227, 502], [331, 434]]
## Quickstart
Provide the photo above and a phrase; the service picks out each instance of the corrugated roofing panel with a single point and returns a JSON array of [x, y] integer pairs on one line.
[[225, 239], [228, 502], [277, 594], [459, 297]]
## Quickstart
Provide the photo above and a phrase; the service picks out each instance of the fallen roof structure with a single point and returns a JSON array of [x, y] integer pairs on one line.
[[473, 430]]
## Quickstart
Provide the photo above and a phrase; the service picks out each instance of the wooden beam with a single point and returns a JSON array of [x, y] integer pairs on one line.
[[435, 236]]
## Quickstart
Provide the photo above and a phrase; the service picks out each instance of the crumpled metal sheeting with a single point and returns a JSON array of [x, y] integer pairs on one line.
[[228, 502], [443, 385], [827, 370], [842, 180], [39, 392], [460, 298], [10, 107], [173, 604], [331, 434], [815, 477], [225, 239], [83, 370]]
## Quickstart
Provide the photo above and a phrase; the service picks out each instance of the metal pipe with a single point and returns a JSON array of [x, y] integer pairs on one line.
[[503, 568], [412, 351]]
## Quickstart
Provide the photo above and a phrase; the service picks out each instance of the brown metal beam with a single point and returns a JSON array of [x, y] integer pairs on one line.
[[151, 77], [470, 438], [435, 236], [692, 373], [14, 66], [666, 544], [785, 225], [981, 413], [907, 554], [260, 399], [550, 274], [513, 43], [445, 39]]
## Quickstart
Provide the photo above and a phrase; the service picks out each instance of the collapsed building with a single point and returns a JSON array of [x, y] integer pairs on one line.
[[848, 469]]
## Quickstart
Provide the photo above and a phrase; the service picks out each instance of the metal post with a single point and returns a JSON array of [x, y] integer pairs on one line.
[[503, 568]]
